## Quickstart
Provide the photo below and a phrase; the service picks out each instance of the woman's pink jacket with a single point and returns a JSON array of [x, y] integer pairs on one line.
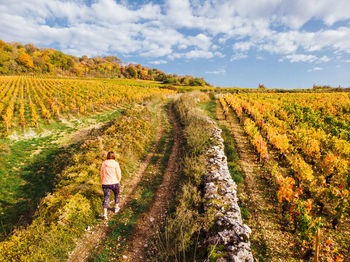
[[110, 172]]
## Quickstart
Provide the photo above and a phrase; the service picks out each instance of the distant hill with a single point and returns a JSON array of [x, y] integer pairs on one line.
[[16, 58]]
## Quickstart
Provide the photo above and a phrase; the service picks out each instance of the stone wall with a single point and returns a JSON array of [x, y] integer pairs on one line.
[[229, 237]]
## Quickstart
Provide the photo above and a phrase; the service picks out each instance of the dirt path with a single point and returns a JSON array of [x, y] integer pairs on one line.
[[135, 251], [91, 238], [269, 239]]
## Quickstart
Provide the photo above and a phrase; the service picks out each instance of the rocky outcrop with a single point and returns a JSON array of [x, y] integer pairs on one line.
[[228, 238]]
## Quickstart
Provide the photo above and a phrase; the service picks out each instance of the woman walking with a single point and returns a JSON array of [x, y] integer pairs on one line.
[[110, 178]]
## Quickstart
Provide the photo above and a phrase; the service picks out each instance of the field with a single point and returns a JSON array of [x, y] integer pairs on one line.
[[28, 101], [302, 141], [42, 118], [288, 153]]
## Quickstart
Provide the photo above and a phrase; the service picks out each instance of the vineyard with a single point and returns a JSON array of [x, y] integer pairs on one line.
[[303, 140], [41, 119], [29, 101], [50, 186]]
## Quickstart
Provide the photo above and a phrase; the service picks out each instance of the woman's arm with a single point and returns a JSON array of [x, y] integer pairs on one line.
[[119, 172]]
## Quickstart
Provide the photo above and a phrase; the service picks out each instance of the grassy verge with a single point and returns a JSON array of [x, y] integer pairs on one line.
[[181, 237], [63, 215], [209, 106]]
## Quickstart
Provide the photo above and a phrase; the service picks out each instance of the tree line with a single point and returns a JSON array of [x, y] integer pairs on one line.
[[16, 58]]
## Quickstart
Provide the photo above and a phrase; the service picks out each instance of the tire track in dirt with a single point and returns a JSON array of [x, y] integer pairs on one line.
[[138, 242], [265, 218], [91, 239]]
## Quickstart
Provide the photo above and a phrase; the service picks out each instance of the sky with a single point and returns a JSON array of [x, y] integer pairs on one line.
[[231, 43]]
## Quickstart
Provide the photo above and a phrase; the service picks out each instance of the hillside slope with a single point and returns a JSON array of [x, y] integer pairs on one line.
[[16, 58]]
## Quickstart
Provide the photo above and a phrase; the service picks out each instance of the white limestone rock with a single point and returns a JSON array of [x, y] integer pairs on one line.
[[220, 193]]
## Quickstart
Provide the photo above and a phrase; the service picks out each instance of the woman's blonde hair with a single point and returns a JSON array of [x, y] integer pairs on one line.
[[111, 155]]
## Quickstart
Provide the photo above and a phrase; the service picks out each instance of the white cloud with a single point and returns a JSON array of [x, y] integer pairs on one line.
[[159, 52], [182, 28], [294, 58], [301, 58], [158, 62], [242, 46], [238, 56], [315, 69], [202, 41], [193, 54], [219, 54], [104, 27], [220, 71], [324, 59], [179, 13]]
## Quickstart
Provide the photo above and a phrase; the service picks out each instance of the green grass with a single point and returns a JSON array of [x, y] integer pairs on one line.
[[261, 249], [28, 167], [169, 137], [229, 142], [24, 179], [209, 107], [106, 116]]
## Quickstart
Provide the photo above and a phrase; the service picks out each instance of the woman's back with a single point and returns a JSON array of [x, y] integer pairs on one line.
[[110, 172]]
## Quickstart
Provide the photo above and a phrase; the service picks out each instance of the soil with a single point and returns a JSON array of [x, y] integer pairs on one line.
[[138, 244], [270, 241], [91, 238], [77, 136]]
